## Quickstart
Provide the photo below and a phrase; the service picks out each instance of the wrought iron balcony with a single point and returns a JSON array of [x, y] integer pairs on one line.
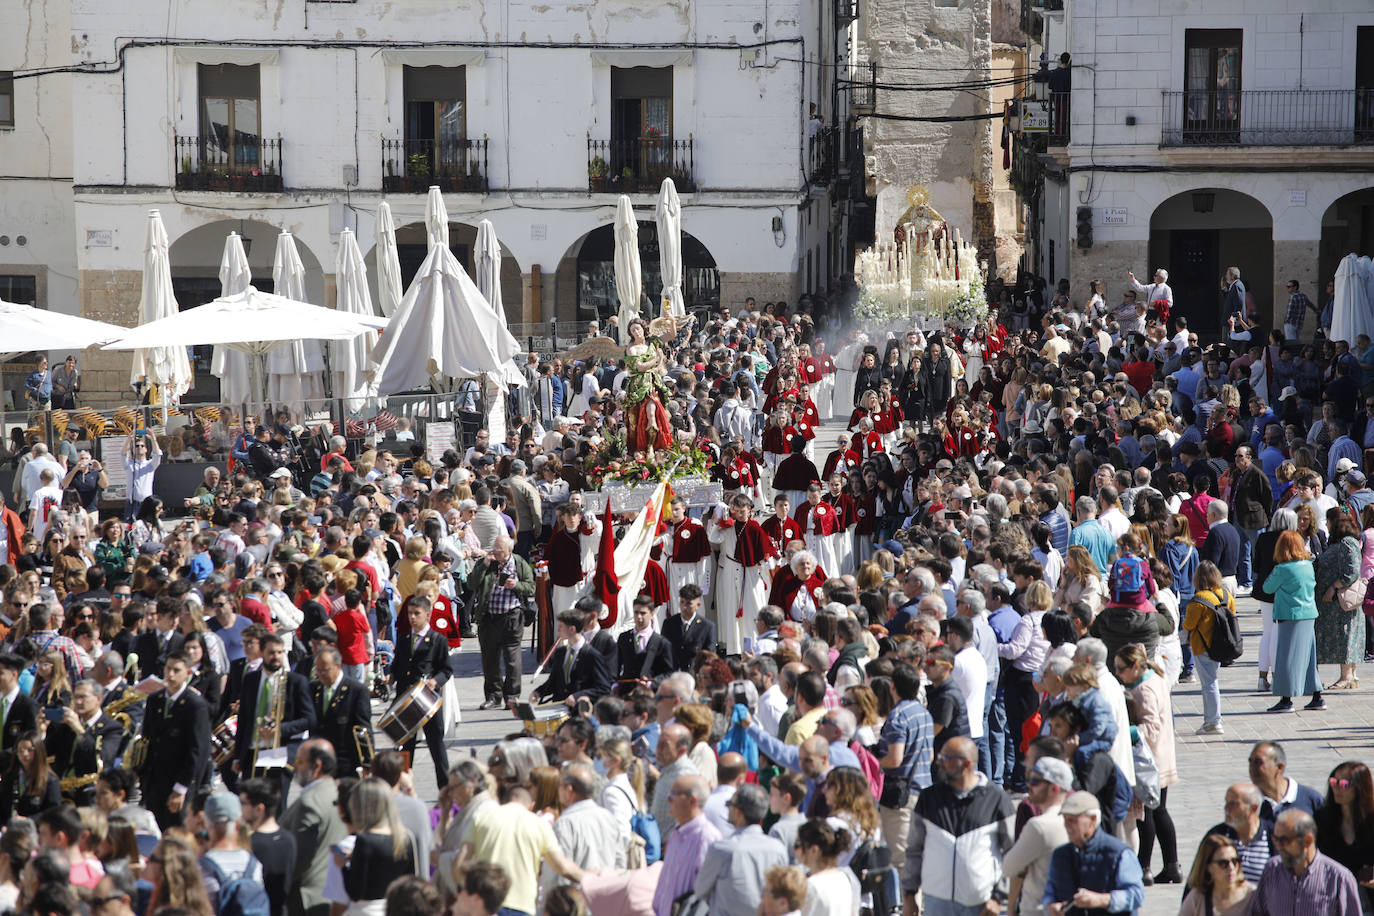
[[846, 11], [823, 156], [413, 166], [1268, 117], [639, 166], [246, 163], [1060, 118], [863, 91]]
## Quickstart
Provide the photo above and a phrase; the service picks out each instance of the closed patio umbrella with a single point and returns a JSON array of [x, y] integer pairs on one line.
[[351, 360], [668, 216], [167, 367], [231, 366], [628, 282], [295, 370], [389, 286]]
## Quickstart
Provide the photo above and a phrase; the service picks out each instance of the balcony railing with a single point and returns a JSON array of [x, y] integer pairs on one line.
[[1268, 117], [412, 166], [207, 164], [1060, 112], [846, 11], [639, 166], [823, 156], [863, 90]]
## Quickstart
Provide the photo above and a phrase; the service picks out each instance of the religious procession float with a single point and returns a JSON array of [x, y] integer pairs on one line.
[[927, 276]]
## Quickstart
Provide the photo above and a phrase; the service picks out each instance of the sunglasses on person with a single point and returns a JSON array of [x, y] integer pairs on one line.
[[1227, 863], [1339, 782]]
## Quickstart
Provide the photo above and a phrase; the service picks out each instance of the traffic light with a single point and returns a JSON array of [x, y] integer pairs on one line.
[[1085, 227]]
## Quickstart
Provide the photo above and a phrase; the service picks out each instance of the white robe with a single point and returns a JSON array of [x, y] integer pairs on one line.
[[825, 397], [737, 589]]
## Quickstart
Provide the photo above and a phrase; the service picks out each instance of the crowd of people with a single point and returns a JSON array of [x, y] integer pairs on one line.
[[925, 663]]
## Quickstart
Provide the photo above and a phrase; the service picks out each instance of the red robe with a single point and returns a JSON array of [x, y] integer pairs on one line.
[[752, 544], [827, 364], [820, 519], [563, 553], [967, 443], [776, 439], [844, 509], [689, 543], [795, 472], [865, 511], [780, 533], [851, 462], [810, 370], [873, 443], [442, 621], [655, 584], [854, 418], [786, 585], [806, 428]]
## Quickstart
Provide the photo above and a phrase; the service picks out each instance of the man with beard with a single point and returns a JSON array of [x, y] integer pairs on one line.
[[274, 708], [1300, 879]]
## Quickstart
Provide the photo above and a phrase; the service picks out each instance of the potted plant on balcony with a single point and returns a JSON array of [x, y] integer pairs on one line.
[[627, 179], [474, 180], [417, 171], [596, 173]]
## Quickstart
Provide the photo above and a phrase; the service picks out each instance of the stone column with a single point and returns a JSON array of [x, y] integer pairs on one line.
[[111, 296]]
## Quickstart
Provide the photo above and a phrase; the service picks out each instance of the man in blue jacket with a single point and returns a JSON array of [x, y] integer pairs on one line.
[[1094, 872]]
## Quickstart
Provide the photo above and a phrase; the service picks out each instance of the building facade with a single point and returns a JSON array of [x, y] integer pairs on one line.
[[534, 116], [1198, 137]]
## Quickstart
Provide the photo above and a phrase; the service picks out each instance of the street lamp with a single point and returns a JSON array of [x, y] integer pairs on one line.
[[1040, 81]]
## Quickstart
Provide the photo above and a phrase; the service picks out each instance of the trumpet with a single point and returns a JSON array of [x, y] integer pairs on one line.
[[274, 720], [362, 744]]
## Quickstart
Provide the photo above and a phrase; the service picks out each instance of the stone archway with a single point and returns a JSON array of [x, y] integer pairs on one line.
[[1196, 235], [1347, 227], [195, 257], [412, 242], [586, 274]]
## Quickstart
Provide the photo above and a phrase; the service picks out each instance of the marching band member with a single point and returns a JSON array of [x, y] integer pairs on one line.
[[342, 706], [820, 528], [84, 744], [743, 573], [422, 656], [177, 730], [274, 709]]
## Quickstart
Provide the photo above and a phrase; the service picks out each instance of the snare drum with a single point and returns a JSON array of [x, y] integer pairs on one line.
[[222, 740], [542, 720], [409, 714]]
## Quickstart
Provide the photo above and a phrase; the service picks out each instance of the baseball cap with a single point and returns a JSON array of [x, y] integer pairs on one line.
[[151, 549], [1052, 769], [223, 808], [1287, 393], [159, 573], [1079, 803], [1343, 465], [1355, 477], [279, 472]]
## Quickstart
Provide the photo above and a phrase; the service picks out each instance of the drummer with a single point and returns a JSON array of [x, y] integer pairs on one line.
[[422, 658]]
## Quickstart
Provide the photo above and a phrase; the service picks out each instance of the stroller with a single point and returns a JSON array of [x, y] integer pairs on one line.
[[386, 652]]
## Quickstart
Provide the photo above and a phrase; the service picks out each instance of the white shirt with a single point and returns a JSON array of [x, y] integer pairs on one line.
[[772, 704], [33, 468], [971, 677], [43, 502], [1115, 521], [716, 809]]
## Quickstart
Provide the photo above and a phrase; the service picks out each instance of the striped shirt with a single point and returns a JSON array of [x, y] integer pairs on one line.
[[1254, 855], [1326, 888], [910, 725]]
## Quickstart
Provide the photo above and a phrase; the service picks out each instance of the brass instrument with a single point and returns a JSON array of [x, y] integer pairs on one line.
[[279, 683], [126, 699], [137, 754], [74, 784], [362, 744]]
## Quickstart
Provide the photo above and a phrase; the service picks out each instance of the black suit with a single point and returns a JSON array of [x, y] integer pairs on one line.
[[151, 653], [349, 706], [604, 643], [92, 752], [178, 751], [298, 715], [590, 677], [416, 661], [686, 643], [22, 717], [233, 688], [134, 711], [655, 661]]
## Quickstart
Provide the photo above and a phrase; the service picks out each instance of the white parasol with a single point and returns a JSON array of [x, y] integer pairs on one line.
[[351, 360], [488, 263], [389, 286], [628, 281], [436, 218], [25, 327], [168, 367], [231, 366], [295, 370], [444, 327], [668, 216], [1353, 313]]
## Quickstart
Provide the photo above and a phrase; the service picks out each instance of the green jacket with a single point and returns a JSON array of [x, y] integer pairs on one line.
[[1293, 585], [484, 577]]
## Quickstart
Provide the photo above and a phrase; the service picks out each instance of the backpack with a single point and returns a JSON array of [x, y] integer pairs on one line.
[[1227, 644], [1128, 576], [644, 826], [238, 895]]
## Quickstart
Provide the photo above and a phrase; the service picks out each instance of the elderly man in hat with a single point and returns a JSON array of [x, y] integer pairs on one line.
[[1094, 870]]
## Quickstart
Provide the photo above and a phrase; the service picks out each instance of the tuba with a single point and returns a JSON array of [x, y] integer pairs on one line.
[[274, 720], [71, 785]]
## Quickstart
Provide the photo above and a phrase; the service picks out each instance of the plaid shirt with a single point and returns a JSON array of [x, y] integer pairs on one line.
[[833, 700], [910, 725], [1298, 304], [44, 641], [503, 600]]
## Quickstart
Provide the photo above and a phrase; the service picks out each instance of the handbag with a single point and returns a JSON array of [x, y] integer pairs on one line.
[[1351, 597]]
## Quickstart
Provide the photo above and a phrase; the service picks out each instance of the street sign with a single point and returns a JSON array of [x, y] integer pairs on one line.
[[1035, 116], [1114, 216]]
